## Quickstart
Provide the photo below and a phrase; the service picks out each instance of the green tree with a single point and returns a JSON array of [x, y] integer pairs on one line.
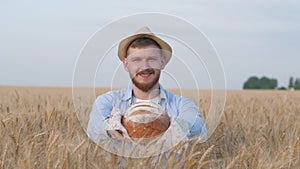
[[273, 84], [297, 84], [282, 88], [291, 83], [262, 83], [252, 83]]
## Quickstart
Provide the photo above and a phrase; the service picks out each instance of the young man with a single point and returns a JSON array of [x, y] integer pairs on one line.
[[144, 56]]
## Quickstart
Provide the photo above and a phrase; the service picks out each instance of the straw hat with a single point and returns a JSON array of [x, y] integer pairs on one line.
[[144, 32]]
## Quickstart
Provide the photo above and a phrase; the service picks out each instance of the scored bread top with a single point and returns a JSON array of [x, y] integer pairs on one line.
[[145, 120], [143, 112]]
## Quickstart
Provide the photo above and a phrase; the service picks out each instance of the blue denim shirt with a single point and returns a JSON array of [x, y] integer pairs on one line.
[[178, 108]]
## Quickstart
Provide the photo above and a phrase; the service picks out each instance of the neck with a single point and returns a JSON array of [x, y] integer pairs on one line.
[[152, 93]]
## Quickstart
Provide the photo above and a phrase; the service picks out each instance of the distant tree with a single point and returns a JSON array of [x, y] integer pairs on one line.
[[282, 88], [266, 83], [297, 84], [291, 83], [252, 83], [262, 83], [273, 84]]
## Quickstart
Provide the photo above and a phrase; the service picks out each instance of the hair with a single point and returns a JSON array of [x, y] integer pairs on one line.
[[142, 42]]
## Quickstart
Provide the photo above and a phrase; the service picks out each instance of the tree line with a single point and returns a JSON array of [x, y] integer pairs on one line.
[[264, 82]]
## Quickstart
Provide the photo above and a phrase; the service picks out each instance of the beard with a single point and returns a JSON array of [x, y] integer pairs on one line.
[[145, 87]]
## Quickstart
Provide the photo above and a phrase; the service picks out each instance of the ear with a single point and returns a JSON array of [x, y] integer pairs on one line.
[[125, 64], [163, 62]]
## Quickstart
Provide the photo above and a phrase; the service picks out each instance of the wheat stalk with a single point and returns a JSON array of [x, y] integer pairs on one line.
[[206, 153], [77, 147], [293, 151], [232, 163], [4, 156]]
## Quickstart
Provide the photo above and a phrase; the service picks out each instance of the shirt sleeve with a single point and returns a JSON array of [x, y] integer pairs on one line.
[[188, 113], [102, 107]]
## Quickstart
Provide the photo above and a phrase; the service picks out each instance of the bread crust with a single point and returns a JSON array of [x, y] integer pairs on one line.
[[145, 120]]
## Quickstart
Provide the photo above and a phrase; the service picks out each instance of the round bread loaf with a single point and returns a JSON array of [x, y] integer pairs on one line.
[[145, 120]]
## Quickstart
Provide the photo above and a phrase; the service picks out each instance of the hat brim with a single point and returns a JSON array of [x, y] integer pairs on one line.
[[123, 46]]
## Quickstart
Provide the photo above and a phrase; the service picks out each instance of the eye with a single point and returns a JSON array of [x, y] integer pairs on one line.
[[152, 59], [135, 60]]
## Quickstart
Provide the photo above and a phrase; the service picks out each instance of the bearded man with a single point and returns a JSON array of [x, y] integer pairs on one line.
[[144, 56]]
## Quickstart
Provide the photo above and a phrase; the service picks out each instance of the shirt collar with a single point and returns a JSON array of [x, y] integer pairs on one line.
[[127, 93], [163, 94]]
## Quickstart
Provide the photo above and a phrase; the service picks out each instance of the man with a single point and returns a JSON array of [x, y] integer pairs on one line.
[[144, 55]]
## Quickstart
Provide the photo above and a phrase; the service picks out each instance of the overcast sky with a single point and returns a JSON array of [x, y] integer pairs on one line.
[[41, 40]]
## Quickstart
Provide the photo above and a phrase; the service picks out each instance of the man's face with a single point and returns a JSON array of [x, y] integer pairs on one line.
[[144, 66]]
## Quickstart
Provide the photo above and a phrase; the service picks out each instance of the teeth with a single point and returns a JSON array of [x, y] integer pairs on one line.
[[145, 73]]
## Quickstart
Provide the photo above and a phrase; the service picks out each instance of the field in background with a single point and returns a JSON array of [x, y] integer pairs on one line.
[[39, 129]]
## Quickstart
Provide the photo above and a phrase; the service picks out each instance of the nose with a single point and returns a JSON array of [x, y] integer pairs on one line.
[[145, 65]]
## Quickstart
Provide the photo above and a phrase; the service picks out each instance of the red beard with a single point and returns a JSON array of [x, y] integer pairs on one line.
[[145, 87]]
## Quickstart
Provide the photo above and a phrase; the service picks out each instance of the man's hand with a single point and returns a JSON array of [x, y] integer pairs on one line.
[[118, 135], [114, 127]]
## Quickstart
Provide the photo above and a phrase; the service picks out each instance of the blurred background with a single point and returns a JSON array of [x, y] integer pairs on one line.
[[41, 40]]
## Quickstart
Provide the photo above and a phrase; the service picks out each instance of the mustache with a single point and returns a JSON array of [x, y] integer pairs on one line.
[[146, 71]]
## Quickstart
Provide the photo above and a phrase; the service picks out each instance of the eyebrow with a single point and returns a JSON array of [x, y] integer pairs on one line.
[[153, 57], [134, 57]]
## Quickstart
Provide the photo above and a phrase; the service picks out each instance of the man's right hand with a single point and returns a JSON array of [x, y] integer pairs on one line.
[[117, 135]]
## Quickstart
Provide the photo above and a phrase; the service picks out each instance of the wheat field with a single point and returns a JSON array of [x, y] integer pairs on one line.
[[259, 130]]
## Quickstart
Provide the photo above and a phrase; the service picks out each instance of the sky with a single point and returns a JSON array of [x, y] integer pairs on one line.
[[40, 41]]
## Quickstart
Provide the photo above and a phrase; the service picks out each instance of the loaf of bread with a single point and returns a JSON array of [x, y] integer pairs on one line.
[[145, 120]]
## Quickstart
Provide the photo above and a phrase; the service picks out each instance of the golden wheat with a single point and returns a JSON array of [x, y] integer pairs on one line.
[[259, 129]]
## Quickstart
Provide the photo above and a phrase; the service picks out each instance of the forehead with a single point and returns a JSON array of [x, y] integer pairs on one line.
[[151, 50]]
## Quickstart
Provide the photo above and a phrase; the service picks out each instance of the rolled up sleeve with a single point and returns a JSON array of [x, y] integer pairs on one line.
[[98, 121], [189, 113]]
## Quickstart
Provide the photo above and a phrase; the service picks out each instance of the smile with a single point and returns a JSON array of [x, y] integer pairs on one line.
[[146, 73]]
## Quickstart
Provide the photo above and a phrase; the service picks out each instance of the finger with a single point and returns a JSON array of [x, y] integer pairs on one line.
[[117, 136]]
